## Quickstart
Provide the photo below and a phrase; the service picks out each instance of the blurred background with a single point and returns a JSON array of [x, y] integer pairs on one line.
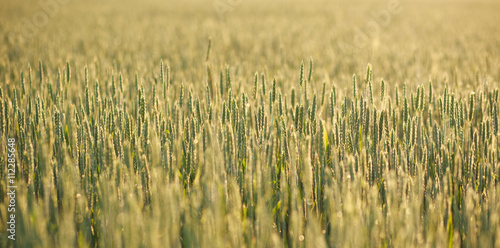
[[412, 41]]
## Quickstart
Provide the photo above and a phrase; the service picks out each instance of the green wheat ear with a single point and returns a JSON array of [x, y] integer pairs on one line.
[[68, 73], [181, 95], [301, 75], [228, 78], [382, 90], [208, 49], [472, 99], [87, 100], [370, 91], [29, 76], [221, 84], [422, 102], [310, 70], [121, 83], [323, 91], [273, 92], [280, 104], [22, 83], [113, 85], [210, 83], [495, 119], [255, 81], [349, 145], [263, 82], [397, 96], [368, 73], [431, 97], [162, 77], [40, 72], [334, 91], [332, 106], [86, 76], [354, 86], [313, 108]]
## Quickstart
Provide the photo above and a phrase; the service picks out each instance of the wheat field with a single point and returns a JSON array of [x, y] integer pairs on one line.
[[233, 123]]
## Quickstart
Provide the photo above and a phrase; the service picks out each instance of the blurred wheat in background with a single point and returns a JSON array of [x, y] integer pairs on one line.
[[232, 123]]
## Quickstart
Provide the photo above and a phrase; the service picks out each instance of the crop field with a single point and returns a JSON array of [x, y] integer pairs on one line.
[[233, 123]]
